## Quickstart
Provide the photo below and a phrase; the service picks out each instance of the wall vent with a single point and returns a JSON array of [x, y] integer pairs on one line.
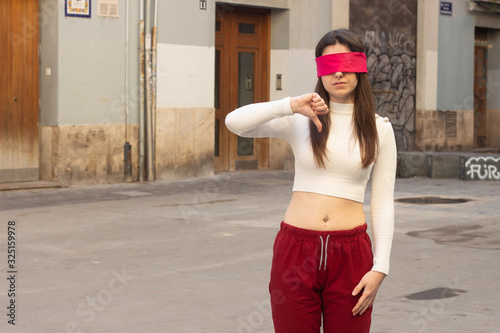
[[107, 8], [451, 124]]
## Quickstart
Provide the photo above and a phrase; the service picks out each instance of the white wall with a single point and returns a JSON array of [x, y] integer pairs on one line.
[[182, 22], [303, 71], [280, 64], [185, 76]]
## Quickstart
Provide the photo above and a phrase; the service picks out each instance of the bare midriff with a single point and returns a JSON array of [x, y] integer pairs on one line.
[[315, 211]]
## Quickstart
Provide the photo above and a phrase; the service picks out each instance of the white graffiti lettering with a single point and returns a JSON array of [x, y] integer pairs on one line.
[[483, 168], [493, 172]]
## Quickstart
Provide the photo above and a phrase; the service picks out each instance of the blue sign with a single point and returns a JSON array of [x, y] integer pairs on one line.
[[446, 8]]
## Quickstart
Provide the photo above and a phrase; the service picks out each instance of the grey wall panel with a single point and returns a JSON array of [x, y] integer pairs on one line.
[[91, 67], [456, 60], [184, 23], [49, 11]]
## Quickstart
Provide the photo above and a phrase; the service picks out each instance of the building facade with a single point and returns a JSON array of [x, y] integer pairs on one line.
[[78, 107]]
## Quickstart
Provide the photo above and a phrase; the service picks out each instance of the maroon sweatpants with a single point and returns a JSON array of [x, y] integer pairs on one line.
[[314, 273]]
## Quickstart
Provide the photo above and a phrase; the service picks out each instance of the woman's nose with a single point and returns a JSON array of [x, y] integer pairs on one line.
[[339, 74]]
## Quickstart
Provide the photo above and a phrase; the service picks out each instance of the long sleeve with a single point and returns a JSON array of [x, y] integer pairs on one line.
[[382, 200], [261, 120]]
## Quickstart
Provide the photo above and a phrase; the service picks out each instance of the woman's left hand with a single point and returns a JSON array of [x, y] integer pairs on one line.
[[371, 281]]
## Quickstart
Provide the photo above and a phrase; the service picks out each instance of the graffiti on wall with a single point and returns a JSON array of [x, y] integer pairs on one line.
[[392, 76], [481, 168], [389, 32]]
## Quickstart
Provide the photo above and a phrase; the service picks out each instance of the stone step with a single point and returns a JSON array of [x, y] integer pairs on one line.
[[465, 166], [39, 184]]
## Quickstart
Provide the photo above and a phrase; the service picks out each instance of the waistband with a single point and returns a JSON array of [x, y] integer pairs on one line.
[[309, 234]]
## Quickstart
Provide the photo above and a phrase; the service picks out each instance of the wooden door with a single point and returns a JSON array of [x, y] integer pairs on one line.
[[241, 77], [19, 144], [480, 80]]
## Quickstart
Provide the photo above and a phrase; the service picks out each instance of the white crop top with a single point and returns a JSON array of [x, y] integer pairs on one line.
[[343, 176]]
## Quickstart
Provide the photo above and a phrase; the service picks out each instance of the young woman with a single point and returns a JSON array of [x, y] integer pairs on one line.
[[323, 265]]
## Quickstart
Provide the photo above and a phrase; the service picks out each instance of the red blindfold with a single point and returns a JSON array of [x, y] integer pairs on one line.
[[348, 62]]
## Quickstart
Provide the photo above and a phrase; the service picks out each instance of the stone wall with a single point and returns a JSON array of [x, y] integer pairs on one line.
[[492, 129], [444, 130], [184, 142], [86, 154]]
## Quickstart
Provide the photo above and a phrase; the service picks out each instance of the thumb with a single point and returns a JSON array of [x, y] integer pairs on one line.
[[315, 97], [358, 288], [318, 124]]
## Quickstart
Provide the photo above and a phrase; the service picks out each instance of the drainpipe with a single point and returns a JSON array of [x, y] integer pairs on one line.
[[141, 83], [148, 95], [127, 148], [153, 88]]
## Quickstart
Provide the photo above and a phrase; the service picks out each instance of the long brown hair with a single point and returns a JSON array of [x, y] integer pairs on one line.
[[365, 127]]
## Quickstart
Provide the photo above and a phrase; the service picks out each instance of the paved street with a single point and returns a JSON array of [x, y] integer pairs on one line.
[[194, 256]]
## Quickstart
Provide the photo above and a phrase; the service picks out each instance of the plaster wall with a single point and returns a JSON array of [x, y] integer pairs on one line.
[[82, 94], [340, 14], [185, 114], [309, 21], [186, 76], [182, 22], [49, 11], [445, 77], [280, 152], [91, 67], [427, 54], [456, 59]]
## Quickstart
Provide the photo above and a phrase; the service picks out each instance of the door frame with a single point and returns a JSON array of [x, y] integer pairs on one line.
[[229, 42]]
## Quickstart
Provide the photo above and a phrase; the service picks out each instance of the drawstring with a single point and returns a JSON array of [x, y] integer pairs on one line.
[[325, 250], [326, 247], [321, 258]]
